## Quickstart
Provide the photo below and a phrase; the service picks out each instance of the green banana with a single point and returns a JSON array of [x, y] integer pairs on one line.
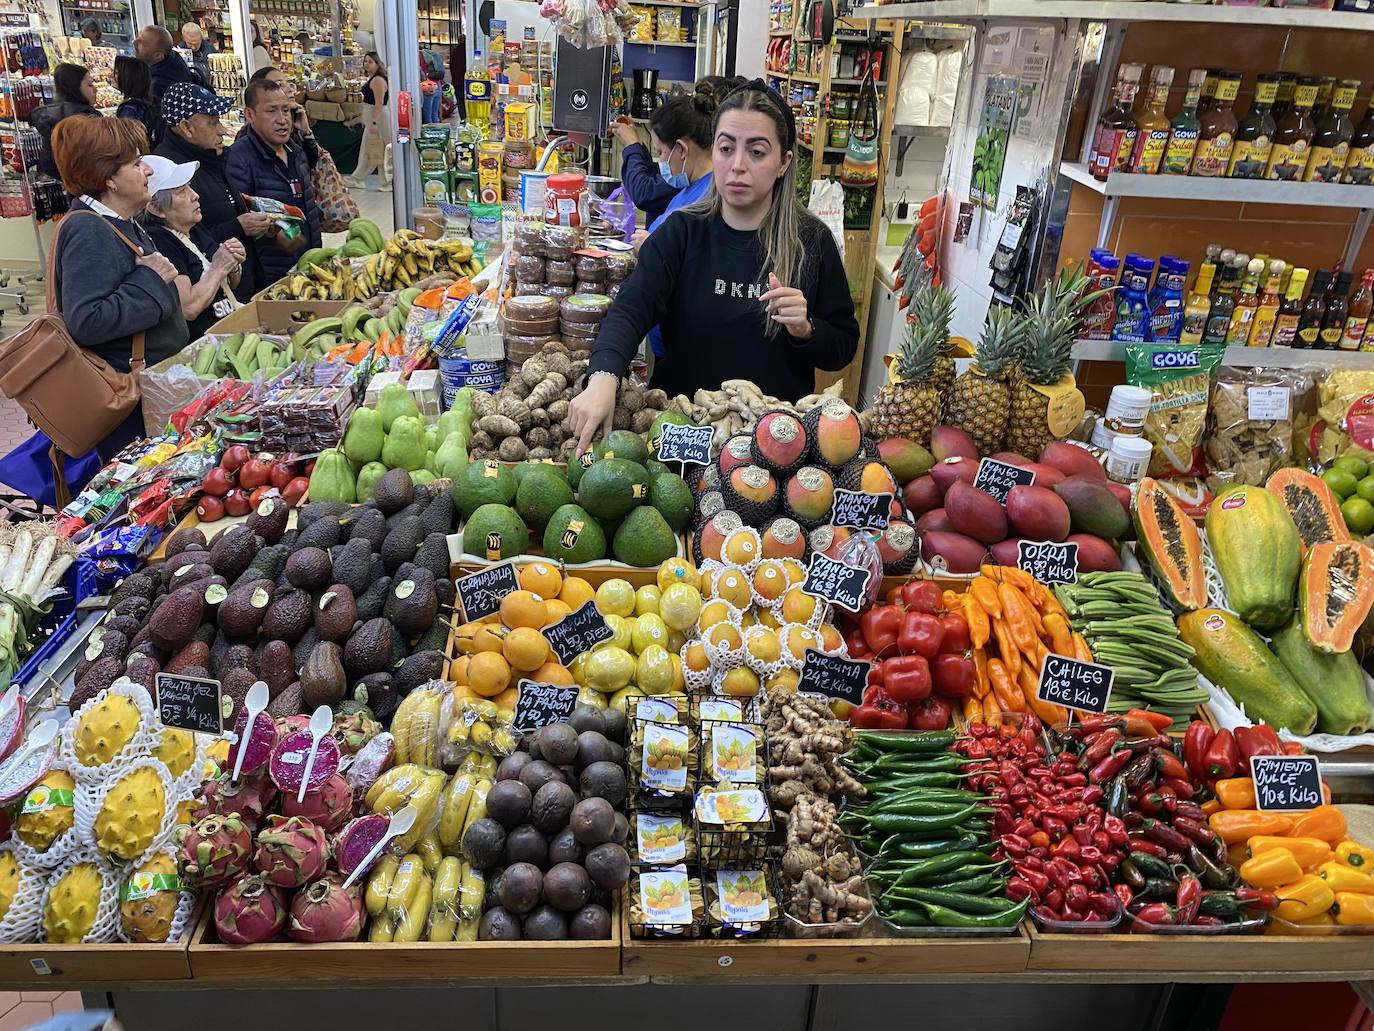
[[351, 319], [244, 360], [372, 329], [314, 256], [300, 340], [266, 354], [366, 230]]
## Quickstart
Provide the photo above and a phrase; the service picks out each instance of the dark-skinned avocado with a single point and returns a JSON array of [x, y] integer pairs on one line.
[[369, 525], [567, 887], [483, 843], [186, 538], [233, 551], [419, 668], [353, 565], [300, 651], [369, 649], [435, 639], [318, 509], [288, 616], [233, 692], [552, 805], [267, 564], [372, 602], [335, 614], [176, 620], [526, 844], [309, 568], [268, 520], [325, 532], [377, 693], [438, 515], [192, 653], [412, 604], [136, 585], [289, 703], [432, 554], [242, 612], [276, 667], [322, 678], [393, 491], [401, 541]]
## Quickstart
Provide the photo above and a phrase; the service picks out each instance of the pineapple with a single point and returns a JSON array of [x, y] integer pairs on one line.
[[934, 307], [1050, 322], [910, 409], [978, 403]]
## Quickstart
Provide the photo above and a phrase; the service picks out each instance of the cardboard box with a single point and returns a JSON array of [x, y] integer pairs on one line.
[[171, 383], [284, 317]]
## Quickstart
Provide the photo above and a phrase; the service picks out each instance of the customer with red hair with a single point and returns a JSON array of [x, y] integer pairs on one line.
[[114, 289]]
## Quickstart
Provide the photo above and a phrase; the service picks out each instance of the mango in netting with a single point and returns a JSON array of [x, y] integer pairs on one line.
[[680, 606], [654, 670], [609, 669]]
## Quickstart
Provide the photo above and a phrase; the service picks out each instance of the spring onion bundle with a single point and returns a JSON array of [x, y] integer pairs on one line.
[[33, 560]]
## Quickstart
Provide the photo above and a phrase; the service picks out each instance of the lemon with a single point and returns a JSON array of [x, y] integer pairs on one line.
[[609, 669], [615, 598], [648, 630], [589, 697], [654, 670], [680, 606], [677, 571], [625, 699], [622, 631], [646, 600]]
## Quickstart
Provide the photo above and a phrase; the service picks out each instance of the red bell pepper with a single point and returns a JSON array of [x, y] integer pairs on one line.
[[1257, 740], [1195, 744], [929, 714], [1223, 757], [906, 678], [920, 634], [857, 644], [952, 675], [921, 596], [881, 713], [880, 626], [956, 637], [1293, 748]]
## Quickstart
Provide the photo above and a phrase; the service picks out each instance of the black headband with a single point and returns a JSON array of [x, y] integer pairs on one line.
[[776, 99]]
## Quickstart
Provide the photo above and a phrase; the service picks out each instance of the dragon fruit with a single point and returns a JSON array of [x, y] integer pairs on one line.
[[72, 905], [288, 725], [214, 850], [105, 729], [291, 851], [10, 876], [249, 799], [257, 745], [288, 762], [177, 750], [372, 760], [149, 898], [354, 726], [328, 806], [357, 839], [249, 912], [326, 911], [131, 815], [48, 811]]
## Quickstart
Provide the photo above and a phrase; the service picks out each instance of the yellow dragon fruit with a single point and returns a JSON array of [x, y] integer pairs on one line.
[[131, 815], [177, 750], [148, 899], [9, 881], [105, 729], [73, 904], [47, 812]]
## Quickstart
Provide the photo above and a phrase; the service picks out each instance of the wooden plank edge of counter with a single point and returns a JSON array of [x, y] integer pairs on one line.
[[37, 964]]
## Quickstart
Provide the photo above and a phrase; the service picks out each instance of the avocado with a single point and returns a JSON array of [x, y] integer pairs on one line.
[[655, 469], [432, 554], [234, 688], [438, 515], [612, 487], [483, 483], [300, 651], [376, 692], [177, 563], [268, 520], [318, 509], [187, 538], [590, 923], [242, 612], [290, 702], [552, 805], [624, 444], [176, 619], [592, 822], [325, 532], [132, 608], [558, 743], [572, 536], [276, 666], [540, 495], [495, 532], [578, 466], [322, 678], [644, 539], [544, 924], [394, 491], [373, 600], [508, 802], [369, 649], [267, 564], [412, 604], [309, 568], [288, 616], [521, 886], [353, 565], [670, 494], [335, 614], [483, 842], [233, 551], [114, 645], [499, 925], [526, 844], [401, 541], [419, 668], [435, 639], [369, 525], [567, 886], [102, 673], [604, 780], [137, 585], [608, 866], [142, 671]]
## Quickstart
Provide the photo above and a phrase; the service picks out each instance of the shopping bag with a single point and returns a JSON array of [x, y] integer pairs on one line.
[[827, 204], [860, 166], [28, 468], [337, 206]]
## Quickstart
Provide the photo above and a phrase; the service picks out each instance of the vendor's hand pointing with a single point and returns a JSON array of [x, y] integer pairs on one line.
[[592, 410], [787, 307]]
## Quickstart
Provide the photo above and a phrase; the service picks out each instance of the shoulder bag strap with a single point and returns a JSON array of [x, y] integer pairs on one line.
[[136, 358]]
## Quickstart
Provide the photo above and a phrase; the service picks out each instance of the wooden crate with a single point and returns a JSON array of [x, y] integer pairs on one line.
[[595, 573], [422, 961], [36, 966]]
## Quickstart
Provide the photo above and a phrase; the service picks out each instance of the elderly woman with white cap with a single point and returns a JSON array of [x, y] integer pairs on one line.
[[206, 270]]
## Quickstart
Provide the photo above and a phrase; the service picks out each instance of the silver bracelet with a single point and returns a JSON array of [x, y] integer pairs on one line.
[[603, 372]]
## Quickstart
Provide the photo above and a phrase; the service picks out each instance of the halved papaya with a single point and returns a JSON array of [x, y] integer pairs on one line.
[[1171, 544], [1336, 593], [1311, 503]]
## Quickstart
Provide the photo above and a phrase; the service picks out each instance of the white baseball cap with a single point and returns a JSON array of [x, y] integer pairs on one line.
[[168, 175]]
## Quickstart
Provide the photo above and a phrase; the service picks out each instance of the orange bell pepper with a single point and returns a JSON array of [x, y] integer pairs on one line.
[[973, 710], [1355, 856], [1353, 909], [1304, 898], [1309, 852], [1235, 792], [1211, 806], [1236, 826], [1271, 869], [1345, 878], [1236, 855], [1325, 822]]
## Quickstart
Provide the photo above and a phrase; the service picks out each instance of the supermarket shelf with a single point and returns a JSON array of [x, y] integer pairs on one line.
[[1270, 357], [776, 33], [799, 77], [917, 131], [1244, 191], [857, 82], [657, 43], [1119, 11]]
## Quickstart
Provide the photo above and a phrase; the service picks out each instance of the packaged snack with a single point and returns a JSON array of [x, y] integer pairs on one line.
[[1254, 413], [435, 185], [486, 222], [1345, 416], [433, 145], [560, 273], [489, 155], [1179, 380], [528, 268]]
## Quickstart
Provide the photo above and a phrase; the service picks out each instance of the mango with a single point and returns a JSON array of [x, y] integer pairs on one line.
[[405, 442]]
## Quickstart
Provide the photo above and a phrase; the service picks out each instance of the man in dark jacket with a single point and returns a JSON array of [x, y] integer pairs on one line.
[[201, 49], [266, 164], [195, 133], [153, 46]]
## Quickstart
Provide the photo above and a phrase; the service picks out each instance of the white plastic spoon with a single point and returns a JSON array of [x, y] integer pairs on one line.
[[7, 701], [255, 703], [401, 821], [321, 720]]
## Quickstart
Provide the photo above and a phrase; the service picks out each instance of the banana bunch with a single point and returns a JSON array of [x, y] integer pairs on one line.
[[328, 280], [316, 339], [462, 804], [456, 907], [409, 258], [398, 898], [420, 724], [483, 727], [409, 784], [242, 355]]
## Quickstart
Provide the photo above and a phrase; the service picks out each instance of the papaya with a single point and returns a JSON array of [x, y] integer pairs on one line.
[[1232, 656], [1313, 505], [1335, 593], [1335, 683], [1258, 554], [1171, 545]]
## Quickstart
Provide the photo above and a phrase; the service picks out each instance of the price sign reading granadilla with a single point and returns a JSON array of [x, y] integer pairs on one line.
[[538, 705], [860, 510], [836, 582], [578, 632], [997, 478], [480, 593], [190, 703], [834, 676], [688, 444], [1286, 783], [1075, 684]]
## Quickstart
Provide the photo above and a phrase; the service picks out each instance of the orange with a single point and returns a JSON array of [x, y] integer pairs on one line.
[[542, 579], [576, 592], [553, 672], [558, 608], [525, 648], [488, 674], [523, 608], [479, 637]]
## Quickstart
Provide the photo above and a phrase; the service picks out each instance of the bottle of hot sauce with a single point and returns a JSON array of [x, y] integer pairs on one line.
[[1359, 160], [1152, 138], [1310, 322], [1331, 144], [1183, 130], [1333, 322], [1114, 138], [1357, 313], [1286, 325], [1255, 133], [1217, 129], [1293, 134]]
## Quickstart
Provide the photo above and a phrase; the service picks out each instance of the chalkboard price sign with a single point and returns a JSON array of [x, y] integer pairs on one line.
[[837, 583], [190, 703], [578, 632], [480, 593], [861, 511], [1085, 686], [688, 444], [834, 676], [997, 478], [1286, 783], [1049, 562], [538, 705]]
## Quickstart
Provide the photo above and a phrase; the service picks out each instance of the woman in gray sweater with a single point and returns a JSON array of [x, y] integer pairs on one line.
[[112, 284]]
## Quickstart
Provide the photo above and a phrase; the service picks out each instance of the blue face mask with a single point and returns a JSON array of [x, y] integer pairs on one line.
[[678, 180]]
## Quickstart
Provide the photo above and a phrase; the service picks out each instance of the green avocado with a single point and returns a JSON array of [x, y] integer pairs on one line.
[[541, 494], [613, 486], [573, 536], [483, 483], [495, 532], [644, 539], [672, 497]]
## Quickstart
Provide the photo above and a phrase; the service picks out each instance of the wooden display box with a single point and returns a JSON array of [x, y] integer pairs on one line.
[[422, 961], [595, 573], [39, 965], [260, 316]]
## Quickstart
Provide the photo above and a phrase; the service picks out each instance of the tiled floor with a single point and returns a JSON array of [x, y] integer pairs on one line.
[[19, 1010]]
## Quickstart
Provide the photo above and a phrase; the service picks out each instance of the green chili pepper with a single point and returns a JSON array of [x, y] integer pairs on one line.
[[943, 916], [890, 741], [906, 917], [923, 868], [960, 902], [937, 846]]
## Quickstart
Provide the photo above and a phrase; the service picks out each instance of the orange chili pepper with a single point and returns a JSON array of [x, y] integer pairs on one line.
[[1081, 651], [1004, 688], [973, 710], [952, 601], [1006, 647], [984, 592], [1037, 661], [1211, 806], [1050, 606], [979, 627], [1061, 637], [1016, 616], [1325, 822], [1238, 825], [981, 684], [992, 712], [1019, 578]]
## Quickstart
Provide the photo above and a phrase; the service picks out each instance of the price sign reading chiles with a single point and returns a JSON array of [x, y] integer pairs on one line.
[[480, 593], [1286, 783], [1074, 684], [834, 676], [1048, 562], [688, 444], [190, 703], [997, 478], [836, 582], [578, 632], [861, 511], [538, 705]]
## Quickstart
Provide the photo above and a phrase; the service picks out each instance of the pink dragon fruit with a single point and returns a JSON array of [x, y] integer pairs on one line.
[[288, 725], [249, 912], [328, 806], [291, 851], [357, 839], [257, 744], [354, 726], [214, 850], [371, 761], [249, 799], [326, 911]]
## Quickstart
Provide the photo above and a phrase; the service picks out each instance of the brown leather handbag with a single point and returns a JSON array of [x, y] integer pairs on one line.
[[70, 393]]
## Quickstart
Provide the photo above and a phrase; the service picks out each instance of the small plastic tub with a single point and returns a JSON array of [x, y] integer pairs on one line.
[[1278, 925], [798, 928], [1251, 925], [948, 932], [1098, 925]]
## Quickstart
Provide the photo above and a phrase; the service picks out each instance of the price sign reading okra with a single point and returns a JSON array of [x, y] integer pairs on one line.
[[1286, 783], [688, 444], [578, 632], [1075, 684], [538, 705], [836, 582], [834, 676], [1048, 562], [861, 511], [480, 593], [191, 703], [998, 478]]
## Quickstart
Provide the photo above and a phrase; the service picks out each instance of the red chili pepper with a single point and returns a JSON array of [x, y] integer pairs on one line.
[[1054, 899], [921, 596], [1062, 872], [1018, 889], [906, 678], [1182, 789], [1138, 843], [1169, 765], [1257, 740], [1076, 898], [929, 714], [1099, 749], [1257, 899], [1208, 920], [1124, 894], [1162, 834], [920, 633], [1158, 914], [1223, 756], [1068, 848], [956, 637], [952, 675], [1090, 854], [1199, 832], [1014, 845], [1039, 840], [1189, 897], [1091, 724], [1195, 744], [1109, 767], [1037, 879]]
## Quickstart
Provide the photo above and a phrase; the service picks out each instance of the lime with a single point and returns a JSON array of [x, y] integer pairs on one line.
[[1365, 489], [610, 669], [648, 630], [646, 599], [654, 670], [680, 605], [1340, 481], [1359, 515], [617, 597], [1352, 464]]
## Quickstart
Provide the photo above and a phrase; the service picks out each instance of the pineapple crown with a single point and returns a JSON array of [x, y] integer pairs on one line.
[[934, 306], [927, 333], [1000, 342], [1050, 321]]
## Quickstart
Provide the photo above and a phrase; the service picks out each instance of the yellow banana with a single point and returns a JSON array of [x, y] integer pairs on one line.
[[382, 929], [379, 884], [408, 877], [429, 852], [454, 810], [411, 926], [393, 788], [472, 890], [443, 910], [477, 808], [426, 803]]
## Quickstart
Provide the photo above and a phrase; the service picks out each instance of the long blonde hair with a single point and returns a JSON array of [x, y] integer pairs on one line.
[[781, 226]]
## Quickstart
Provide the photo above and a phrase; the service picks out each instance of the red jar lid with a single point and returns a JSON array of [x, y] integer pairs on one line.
[[567, 181]]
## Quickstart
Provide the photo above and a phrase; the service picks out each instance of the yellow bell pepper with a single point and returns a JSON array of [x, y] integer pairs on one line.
[[1325, 822], [1304, 898], [1235, 793], [1236, 855], [1313, 925], [1270, 869], [1353, 909], [1355, 855], [1309, 852], [1345, 878]]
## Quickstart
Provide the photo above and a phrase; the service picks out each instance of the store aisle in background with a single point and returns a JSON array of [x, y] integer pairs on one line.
[[19, 1010]]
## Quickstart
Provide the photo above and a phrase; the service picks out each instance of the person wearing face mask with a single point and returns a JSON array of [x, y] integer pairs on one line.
[[746, 283]]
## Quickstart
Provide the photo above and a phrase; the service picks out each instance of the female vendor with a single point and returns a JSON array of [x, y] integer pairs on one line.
[[745, 284]]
